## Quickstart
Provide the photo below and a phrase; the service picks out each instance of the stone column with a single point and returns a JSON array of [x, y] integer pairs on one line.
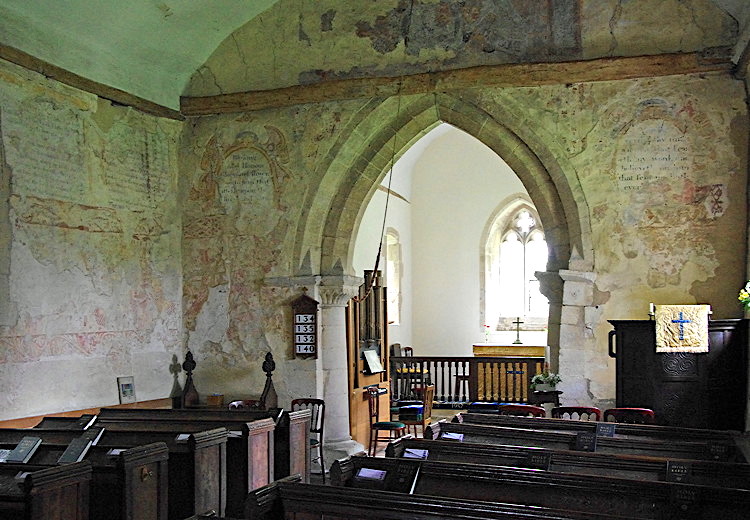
[[551, 286], [576, 336], [335, 292]]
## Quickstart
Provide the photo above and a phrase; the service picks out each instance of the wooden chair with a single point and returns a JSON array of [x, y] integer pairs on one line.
[[394, 429], [427, 400], [522, 410], [630, 415], [245, 404], [585, 413], [317, 409]]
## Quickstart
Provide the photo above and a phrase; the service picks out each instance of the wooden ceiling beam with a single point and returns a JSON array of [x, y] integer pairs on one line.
[[115, 95], [510, 75]]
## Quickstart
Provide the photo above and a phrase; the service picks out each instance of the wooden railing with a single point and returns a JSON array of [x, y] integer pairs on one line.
[[459, 380]]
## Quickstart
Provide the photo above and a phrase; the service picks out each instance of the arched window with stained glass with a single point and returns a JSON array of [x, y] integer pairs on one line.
[[514, 250]]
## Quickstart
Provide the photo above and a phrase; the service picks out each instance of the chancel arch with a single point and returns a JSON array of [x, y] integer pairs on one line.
[[361, 160]]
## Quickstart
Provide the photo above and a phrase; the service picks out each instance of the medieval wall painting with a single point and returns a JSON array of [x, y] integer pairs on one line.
[[662, 167], [94, 275]]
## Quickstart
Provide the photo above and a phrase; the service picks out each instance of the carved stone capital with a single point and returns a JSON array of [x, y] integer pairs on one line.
[[578, 288], [578, 276], [337, 290], [550, 285]]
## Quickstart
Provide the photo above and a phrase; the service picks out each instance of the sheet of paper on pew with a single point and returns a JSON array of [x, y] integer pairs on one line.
[[371, 474], [415, 453], [115, 452], [450, 436]]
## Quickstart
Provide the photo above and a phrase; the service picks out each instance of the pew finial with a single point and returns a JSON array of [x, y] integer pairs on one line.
[[269, 399], [190, 395]]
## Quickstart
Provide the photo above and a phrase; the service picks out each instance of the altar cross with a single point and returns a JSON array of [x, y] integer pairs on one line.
[[682, 321], [518, 331]]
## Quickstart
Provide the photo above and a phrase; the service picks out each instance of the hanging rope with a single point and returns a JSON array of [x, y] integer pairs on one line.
[[370, 286]]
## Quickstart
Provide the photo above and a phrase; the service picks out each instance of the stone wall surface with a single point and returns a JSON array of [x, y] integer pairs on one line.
[[299, 43], [663, 165], [91, 236], [247, 179], [657, 168], [111, 263]]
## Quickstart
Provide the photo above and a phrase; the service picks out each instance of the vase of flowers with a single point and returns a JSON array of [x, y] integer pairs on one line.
[[744, 296], [486, 333], [545, 381]]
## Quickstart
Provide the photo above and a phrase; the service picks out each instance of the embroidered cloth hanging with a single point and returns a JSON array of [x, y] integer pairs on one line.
[[682, 328]]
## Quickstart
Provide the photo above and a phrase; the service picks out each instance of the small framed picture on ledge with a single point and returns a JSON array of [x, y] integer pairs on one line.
[[126, 387]]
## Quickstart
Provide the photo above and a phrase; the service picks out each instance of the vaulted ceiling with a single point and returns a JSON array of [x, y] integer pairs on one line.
[[151, 48]]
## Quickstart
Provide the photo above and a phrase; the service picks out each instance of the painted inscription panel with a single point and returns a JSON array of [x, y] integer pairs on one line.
[[44, 147], [138, 166], [653, 151]]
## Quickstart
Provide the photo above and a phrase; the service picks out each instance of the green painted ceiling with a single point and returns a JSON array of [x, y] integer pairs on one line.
[[150, 48]]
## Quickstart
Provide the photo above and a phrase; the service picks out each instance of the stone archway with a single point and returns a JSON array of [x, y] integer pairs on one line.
[[360, 160], [357, 163]]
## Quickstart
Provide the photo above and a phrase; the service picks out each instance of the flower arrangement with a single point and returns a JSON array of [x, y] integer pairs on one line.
[[545, 378], [486, 333], [744, 296]]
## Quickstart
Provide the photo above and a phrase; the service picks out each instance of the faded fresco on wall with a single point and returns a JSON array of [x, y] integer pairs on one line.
[[317, 41], [235, 225], [662, 163], [95, 274], [665, 149]]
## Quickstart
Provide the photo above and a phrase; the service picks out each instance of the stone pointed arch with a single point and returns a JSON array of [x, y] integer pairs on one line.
[[382, 130]]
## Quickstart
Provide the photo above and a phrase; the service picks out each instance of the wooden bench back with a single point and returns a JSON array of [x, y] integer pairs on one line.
[[566, 440], [131, 484], [721, 474], [582, 493], [287, 500], [45, 492]]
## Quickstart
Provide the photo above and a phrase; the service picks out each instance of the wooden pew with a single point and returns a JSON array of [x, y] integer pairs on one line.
[[250, 449], [567, 441], [291, 456], [44, 493], [197, 461], [291, 433], [57, 437], [728, 438], [709, 473], [287, 499], [128, 485], [582, 493], [66, 423]]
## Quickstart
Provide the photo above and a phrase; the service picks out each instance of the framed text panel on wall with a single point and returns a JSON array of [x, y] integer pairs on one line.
[[305, 327]]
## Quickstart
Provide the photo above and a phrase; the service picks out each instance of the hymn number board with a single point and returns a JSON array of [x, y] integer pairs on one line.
[[305, 326]]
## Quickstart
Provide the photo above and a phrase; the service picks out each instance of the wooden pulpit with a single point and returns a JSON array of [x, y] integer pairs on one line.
[[683, 389]]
